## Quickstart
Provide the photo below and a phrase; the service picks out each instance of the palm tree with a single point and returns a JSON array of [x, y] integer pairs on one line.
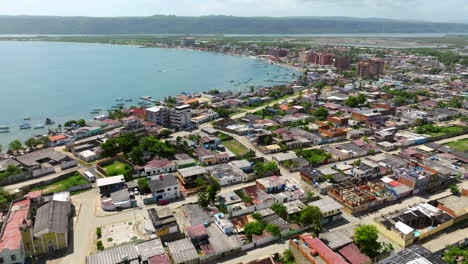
[[1, 148], [59, 127], [15, 146], [48, 122]]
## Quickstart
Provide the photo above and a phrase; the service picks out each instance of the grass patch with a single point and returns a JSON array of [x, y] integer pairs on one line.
[[459, 145], [236, 147], [63, 185], [117, 168]]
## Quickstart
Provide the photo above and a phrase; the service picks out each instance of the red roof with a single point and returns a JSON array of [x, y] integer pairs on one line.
[[11, 238], [395, 183], [324, 251], [57, 138], [159, 259], [34, 194], [196, 231], [160, 163], [352, 253]]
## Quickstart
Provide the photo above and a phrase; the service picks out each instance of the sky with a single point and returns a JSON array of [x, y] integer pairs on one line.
[[427, 10]]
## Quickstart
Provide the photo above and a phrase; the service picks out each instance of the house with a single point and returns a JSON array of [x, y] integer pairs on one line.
[[58, 140], [366, 170], [223, 223], [272, 184], [126, 253], [110, 184], [164, 224], [329, 208], [227, 174], [155, 167], [413, 254], [164, 187], [308, 249], [11, 246], [183, 252], [189, 175], [353, 255], [49, 232]]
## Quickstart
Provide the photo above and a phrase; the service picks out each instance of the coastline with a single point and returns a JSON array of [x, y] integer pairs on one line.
[[22, 135]]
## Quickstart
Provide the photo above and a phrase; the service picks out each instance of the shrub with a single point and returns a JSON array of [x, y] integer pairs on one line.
[[98, 232], [99, 245]]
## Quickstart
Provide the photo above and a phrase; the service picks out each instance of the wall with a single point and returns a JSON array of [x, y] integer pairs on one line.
[[392, 235]]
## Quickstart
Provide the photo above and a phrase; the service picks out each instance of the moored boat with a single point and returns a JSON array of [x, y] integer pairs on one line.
[[119, 99], [25, 126], [4, 127], [39, 126], [4, 131]]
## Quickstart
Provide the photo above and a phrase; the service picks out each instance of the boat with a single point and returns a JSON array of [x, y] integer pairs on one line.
[[27, 118], [128, 100], [4, 127], [94, 112], [120, 104], [119, 99], [39, 126], [25, 126], [97, 109], [4, 131]]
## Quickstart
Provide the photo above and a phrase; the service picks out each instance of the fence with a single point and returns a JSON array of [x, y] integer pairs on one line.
[[101, 164], [68, 164], [43, 171], [56, 179], [16, 178]]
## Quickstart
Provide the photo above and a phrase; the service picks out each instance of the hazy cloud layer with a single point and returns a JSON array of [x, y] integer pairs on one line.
[[433, 10]]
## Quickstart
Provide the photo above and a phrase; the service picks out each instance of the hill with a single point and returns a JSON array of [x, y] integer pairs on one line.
[[215, 25]]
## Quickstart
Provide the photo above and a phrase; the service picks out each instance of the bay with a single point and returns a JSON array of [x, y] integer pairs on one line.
[[64, 81]]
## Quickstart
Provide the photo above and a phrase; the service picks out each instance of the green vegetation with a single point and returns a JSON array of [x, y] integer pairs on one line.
[[280, 210], [98, 232], [10, 171], [252, 228], [314, 156], [459, 145], [447, 58], [224, 137], [224, 112], [265, 168], [5, 197], [209, 192], [143, 185], [454, 189], [456, 255], [321, 113], [311, 216], [15, 146], [99, 245], [70, 123], [109, 239], [236, 147], [119, 168], [63, 185], [274, 230], [365, 238], [439, 131], [246, 199], [288, 257]]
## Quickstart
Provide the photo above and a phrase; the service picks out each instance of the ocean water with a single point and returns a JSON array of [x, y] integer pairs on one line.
[[64, 81]]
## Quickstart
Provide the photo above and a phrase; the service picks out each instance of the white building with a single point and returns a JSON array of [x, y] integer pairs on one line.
[[157, 115], [164, 187], [180, 116], [223, 223]]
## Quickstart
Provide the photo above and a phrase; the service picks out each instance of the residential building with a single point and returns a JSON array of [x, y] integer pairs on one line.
[[342, 62], [272, 184], [329, 208], [164, 224], [110, 184], [180, 117], [371, 68], [223, 223], [413, 254], [164, 187], [187, 42], [11, 245], [366, 170], [307, 249], [157, 115], [155, 167]]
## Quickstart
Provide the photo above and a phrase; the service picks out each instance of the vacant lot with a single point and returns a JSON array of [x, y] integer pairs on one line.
[[235, 147], [459, 145], [117, 168], [63, 185]]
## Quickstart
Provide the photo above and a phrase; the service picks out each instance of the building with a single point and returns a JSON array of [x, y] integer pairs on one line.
[[155, 167], [110, 184], [164, 224], [183, 252], [180, 117], [329, 208], [11, 245], [187, 42], [409, 225], [157, 115], [366, 170], [49, 231], [164, 187], [371, 68], [341, 62], [280, 53], [272, 184], [227, 174], [126, 253], [413, 254], [309, 250], [223, 223]]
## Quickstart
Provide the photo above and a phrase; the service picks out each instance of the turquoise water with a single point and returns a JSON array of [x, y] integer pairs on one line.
[[66, 81]]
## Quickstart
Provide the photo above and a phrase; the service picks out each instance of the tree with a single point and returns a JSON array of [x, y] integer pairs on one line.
[[454, 189], [357, 163], [361, 98], [365, 238], [165, 133], [222, 112], [253, 228], [280, 210], [81, 122], [311, 215], [1, 148], [321, 113], [203, 200], [213, 190], [455, 102], [143, 185], [273, 229], [15, 145], [48, 122], [136, 155], [257, 217], [32, 142], [70, 123], [288, 257], [351, 101]]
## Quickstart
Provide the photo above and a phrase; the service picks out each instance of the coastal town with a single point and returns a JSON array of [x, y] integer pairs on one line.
[[363, 158]]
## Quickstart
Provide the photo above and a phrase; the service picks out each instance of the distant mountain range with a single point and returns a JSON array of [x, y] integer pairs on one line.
[[216, 25]]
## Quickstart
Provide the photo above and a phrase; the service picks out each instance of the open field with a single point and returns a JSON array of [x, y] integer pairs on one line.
[[117, 168], [460, 145], [236, 147], [64, 184]]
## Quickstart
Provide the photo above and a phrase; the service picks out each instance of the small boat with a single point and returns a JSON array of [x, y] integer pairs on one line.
[[94, 112], [4, 127], [128, 100], [25, 126], [39, 126], [97, 109], [120, 104], [4, 131], [119, 99], [27, 118]]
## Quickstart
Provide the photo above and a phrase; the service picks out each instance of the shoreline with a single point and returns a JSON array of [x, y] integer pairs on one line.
[[23, 135]]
